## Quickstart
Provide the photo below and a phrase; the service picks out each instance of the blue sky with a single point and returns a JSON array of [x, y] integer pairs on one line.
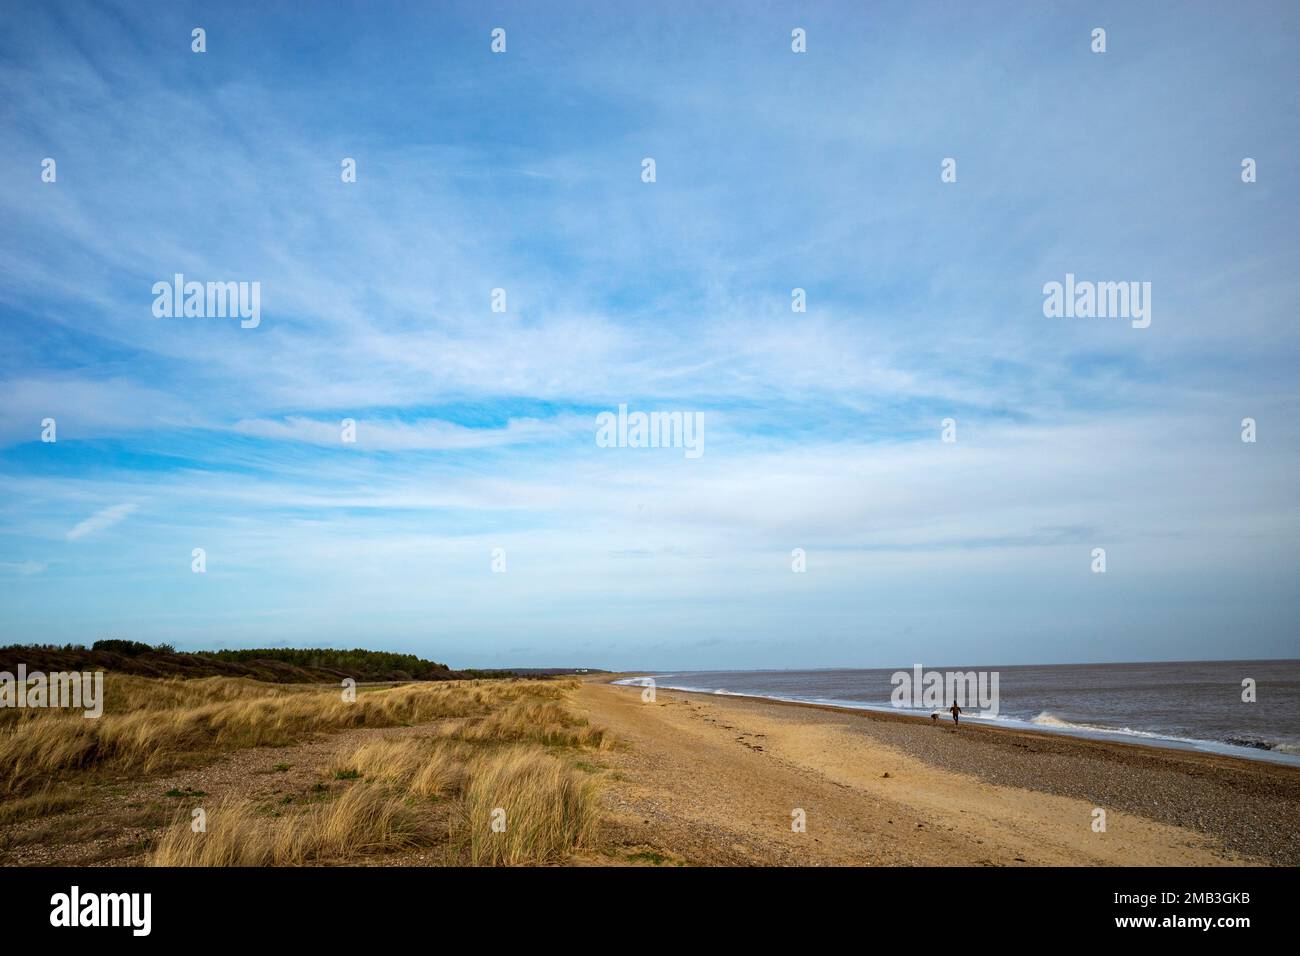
[[476, 429]]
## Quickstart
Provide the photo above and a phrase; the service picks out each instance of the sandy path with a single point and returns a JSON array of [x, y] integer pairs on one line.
[[708, 781]]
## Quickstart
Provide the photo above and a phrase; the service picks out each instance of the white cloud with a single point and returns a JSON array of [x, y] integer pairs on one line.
[[101, 520], [435, 435]]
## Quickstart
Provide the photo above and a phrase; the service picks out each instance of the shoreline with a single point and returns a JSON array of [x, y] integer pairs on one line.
[[1202, 748], [977, 795]]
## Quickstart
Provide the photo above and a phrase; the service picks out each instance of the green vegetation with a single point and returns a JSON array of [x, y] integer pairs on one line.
[[358, 663], [129, 648], [276, 665]]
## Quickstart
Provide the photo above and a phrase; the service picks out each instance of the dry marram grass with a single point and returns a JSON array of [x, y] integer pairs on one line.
[[483, 763], [150, 725]]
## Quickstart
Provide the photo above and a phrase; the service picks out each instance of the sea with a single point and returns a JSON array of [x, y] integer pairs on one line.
[[1196, 705]]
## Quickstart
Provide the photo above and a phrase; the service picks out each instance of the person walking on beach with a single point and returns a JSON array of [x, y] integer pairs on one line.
[[954, 710]]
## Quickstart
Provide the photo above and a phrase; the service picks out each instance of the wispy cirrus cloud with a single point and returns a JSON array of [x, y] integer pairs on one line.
[[381, 434], [101, 520]]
